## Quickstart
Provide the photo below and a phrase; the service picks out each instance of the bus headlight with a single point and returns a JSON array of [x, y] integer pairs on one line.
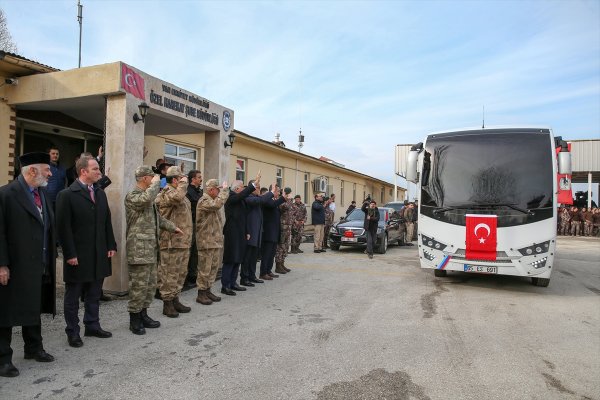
[[539, 263], [333, 230], [538, 248], [428, 255], [434, 244]]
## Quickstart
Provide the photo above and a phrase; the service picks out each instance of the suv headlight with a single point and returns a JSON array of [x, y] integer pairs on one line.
[[539, 248], [333, 230], [434, 244]]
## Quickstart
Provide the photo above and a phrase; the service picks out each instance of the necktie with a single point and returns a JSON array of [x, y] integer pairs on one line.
[[36, 198], [91, 189]]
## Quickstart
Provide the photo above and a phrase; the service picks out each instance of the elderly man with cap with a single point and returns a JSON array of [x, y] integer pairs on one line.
[[174, 205], [143, 225], [209, 238], [298, 220], [285, 232], [27, 260]]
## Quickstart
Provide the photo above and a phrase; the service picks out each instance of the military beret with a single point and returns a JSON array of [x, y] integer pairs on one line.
[[34, 158], [287, 190], [144, 170], [173, 171]]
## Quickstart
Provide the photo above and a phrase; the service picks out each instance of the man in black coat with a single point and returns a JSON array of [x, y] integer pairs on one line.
[[85, 233], [27, 257], [371, 224], [194, 192], [317, 213], [254, 225], [271, 230], [235, 237]]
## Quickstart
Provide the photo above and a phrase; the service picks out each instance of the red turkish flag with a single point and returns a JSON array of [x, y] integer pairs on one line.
[[481, 237], [132, 82]]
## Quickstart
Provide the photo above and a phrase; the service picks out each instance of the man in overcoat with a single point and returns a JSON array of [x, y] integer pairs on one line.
[[209, 238], [194, 192], [143, 225], [271, 232], [174, 205], [85, 233], [27, 260], [234, 235]]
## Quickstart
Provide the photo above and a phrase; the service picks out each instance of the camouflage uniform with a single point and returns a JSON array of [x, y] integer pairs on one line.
[[565, 219], [173, 205], [298, 219], [588, 222], [285, 233], [575, 222], [209, 237], [143, 224], [329, 216]]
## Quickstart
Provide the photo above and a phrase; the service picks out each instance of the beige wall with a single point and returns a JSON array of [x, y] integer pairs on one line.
[[156, 147]]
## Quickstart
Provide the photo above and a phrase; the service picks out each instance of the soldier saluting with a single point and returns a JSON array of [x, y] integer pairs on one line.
[[143, 225]]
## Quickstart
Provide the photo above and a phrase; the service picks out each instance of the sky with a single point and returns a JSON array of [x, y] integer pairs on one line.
[[358, 77]]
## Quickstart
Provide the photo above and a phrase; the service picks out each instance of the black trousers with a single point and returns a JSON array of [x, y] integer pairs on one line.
[[32, 336], [249, 264], [91, 316], [267, 256], [193, 260], [229, 274]]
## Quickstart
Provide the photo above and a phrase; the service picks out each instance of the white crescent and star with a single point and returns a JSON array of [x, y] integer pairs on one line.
[[129, 80], [484, 226]]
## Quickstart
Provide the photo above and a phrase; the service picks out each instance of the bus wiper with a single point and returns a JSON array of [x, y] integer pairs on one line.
[[458, 207], [510, 205]]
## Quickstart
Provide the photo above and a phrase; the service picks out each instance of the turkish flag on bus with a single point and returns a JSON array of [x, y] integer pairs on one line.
[[481, 237], [132, 82]]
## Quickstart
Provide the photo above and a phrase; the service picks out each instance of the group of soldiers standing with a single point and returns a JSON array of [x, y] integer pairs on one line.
[[579, 222]]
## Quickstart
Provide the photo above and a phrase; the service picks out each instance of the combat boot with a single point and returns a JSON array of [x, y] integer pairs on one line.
[[203, 298], [299, 249], [284, 267], [169, 309], [147, 321], [212, 296], [279, 268], [180, 307], [135, 323], [294, 250]]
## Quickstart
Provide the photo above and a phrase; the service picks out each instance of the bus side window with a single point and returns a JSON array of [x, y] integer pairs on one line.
[[426, 168]]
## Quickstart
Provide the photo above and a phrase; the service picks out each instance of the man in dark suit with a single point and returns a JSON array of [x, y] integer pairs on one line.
[[27, 257], [270, 238], [194, 192], [85, 233], [254, 224], [235, 237]]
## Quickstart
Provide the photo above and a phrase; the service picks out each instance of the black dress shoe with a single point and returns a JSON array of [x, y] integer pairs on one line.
[[40, 356], [239, 288], [255, 280], [246, 283], [99, 333], [75, 341], [8, 370], [228, 292]]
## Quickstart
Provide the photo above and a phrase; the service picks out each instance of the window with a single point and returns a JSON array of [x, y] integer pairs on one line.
[[382, 195], [354, 192], [306, 188], [240, 170], [279, 176], [342, 193], [175, 154]]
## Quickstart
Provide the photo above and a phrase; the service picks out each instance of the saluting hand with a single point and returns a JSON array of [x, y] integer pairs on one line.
[[73, 261], [111, 253], [178, 231], [155, 178], [4, 275]]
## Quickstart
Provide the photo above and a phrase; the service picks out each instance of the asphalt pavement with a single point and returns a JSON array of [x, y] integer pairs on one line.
[[341, 326]]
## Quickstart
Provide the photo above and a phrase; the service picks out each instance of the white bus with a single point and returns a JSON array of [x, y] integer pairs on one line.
[[487, 200]]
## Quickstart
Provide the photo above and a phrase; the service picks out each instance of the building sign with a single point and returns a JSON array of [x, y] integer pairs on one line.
[[188, 105]]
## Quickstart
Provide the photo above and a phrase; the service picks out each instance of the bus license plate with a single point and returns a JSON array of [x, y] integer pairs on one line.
[[348, 239], [481, 269]]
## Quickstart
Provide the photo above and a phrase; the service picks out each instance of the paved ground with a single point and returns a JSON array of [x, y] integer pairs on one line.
[[341, 326]]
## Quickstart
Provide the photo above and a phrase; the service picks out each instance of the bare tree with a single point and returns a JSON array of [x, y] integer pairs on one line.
[[6, 40]]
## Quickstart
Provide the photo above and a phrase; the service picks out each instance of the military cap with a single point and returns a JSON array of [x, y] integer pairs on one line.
[[174, 171], [34, 158], [212, 183], [287, 190], [144, 170]]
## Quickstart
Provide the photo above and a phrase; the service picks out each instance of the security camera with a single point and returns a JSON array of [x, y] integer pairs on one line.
[[11, 81]]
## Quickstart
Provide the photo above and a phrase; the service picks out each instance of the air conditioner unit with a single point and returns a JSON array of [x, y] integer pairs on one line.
[[320, 185]]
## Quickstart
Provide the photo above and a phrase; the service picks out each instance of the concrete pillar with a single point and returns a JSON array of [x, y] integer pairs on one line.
[[124, 153], [589, 204], [216, 162]]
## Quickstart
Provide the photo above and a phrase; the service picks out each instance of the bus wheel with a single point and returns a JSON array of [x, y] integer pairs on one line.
[[440, 273], [543, 282]]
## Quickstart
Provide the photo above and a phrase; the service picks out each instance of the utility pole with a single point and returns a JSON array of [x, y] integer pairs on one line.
[[80, 19]]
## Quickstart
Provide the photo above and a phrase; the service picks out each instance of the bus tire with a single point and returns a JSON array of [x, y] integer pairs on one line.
[[543, 282], [440, 273]]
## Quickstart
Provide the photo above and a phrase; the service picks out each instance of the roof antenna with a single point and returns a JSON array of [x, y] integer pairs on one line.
[[80, 20], [483, 123]]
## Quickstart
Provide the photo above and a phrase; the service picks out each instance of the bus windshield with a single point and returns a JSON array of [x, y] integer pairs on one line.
[[506, 174]]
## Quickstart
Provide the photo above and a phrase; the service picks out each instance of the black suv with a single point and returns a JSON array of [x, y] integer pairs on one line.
[[349, 230]]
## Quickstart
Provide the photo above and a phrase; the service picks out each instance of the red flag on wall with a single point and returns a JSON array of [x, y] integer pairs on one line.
[[481, 237], [132, 82]]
